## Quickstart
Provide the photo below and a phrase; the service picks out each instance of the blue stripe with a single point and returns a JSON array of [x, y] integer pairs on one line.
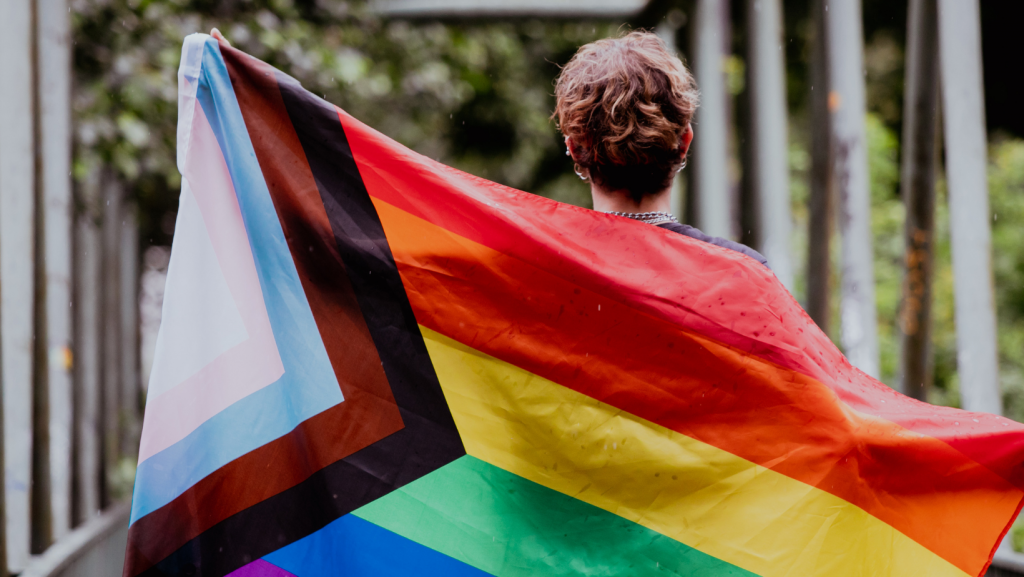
[[308, 385], [352, 546]]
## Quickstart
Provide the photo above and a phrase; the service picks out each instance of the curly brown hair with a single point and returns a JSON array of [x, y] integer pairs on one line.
[[625, 102]]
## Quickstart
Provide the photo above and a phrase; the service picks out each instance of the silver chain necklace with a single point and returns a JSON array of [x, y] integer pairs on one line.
[[657, 217]]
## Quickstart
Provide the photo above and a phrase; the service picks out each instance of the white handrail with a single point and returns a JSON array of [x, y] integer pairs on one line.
[[98, 543]]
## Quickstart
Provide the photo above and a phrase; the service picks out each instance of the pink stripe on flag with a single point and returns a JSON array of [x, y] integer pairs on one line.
[[246, 367], [260, 568]]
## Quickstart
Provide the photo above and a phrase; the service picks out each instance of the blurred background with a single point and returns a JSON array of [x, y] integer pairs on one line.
[[832, 136]]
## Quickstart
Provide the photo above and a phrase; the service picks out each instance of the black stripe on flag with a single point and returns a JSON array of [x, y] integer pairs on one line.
[[429, 439]]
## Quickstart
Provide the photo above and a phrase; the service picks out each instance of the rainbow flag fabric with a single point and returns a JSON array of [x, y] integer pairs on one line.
[[373, 364]]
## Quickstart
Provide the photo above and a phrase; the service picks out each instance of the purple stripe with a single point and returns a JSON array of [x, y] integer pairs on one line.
[[260, 568]]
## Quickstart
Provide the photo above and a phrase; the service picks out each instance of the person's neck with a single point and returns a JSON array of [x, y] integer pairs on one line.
[[621, 201]]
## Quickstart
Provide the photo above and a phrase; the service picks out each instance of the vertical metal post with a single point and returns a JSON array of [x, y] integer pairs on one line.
[[54, 81], [846, 100], [920, 115], [769, 159], [822, 184], [969, 216], [111, 328], [710, 198], [55, 101], [17, 259], [129, 316], [40, 517], [88, 368]]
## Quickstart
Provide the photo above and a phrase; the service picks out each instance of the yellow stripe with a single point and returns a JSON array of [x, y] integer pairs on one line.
[[702, 496]]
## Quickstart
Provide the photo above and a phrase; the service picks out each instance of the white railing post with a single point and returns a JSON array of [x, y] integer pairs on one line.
[[54, 79], [55, 116], [859, 328], [710, 197], [17, 199], [769, 158], [969, 215]]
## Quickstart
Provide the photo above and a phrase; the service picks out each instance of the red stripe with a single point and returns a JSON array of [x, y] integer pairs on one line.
[[697, 286]]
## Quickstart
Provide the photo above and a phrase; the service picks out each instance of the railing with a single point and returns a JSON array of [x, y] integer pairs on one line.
[[68, 319], [95, 549]]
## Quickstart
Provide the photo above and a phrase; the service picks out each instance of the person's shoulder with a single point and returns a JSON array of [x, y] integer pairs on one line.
[[684, 229], [697, 234]]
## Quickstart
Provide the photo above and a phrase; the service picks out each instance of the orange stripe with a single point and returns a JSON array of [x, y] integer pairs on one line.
[[770, 415]]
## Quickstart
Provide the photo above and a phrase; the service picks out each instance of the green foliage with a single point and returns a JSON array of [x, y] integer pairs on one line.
[[1017, 536], [799, 159], [1006, 196], [946, 383], [475, 97]]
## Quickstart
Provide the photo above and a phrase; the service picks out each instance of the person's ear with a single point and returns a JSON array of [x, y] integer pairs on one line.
[[685, 139], [572, 149]]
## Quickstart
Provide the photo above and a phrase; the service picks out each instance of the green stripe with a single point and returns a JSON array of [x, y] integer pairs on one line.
[[506, 525]]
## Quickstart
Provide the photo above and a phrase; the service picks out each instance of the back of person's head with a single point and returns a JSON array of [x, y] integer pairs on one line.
[[625, 103]]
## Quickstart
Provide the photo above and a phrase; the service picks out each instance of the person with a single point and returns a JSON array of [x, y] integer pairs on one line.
[[219, 37], [624, 106]]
